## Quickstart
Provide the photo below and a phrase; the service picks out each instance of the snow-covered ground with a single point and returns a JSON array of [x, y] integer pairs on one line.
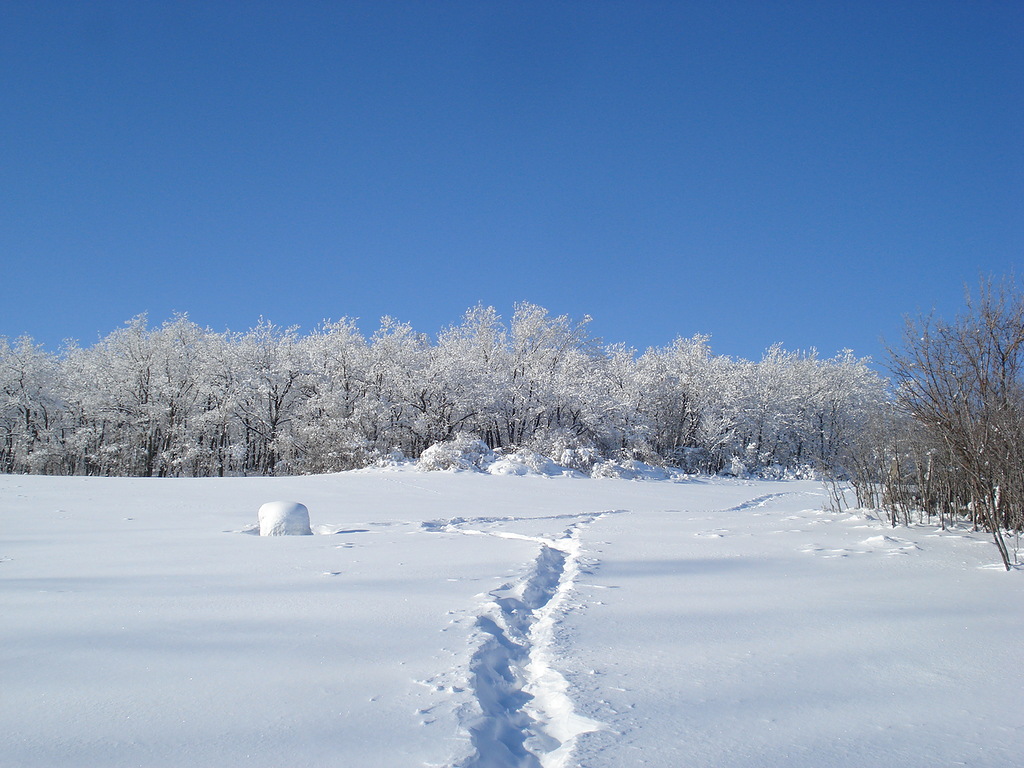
[[463, 619]]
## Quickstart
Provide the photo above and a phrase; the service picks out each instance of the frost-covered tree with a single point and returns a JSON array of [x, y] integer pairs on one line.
[[688, 398], [111, 393], [183, 400], [398, 376], [271, 382], [547, 357], [335, 423], [30, 408]]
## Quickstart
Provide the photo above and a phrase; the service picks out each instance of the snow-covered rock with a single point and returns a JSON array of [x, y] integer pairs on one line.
[[284, 518]]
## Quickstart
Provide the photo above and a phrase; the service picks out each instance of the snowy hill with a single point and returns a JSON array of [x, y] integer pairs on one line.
[[463, 619]]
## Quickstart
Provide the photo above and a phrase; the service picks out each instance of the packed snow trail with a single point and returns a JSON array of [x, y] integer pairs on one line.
[[526, 718]]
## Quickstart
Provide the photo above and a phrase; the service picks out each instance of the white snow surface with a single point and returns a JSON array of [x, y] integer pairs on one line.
[[489, 621]]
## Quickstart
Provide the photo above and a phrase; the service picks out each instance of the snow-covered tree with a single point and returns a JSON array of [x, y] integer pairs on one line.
[[183, 400], [334, 425], [30, 408]]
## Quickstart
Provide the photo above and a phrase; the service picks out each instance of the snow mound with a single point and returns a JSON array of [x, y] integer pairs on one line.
[[466, 452], [462, 452], [393, 459], [526, 463], [284, 518], [630, 470]]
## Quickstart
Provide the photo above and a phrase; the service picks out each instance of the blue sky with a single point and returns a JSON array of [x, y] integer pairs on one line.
[[800, 172]]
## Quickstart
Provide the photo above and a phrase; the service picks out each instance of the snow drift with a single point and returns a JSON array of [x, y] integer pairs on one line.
[[284, 518]]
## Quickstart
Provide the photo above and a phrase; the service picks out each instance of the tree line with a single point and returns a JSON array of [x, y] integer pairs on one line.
[[182, 400], [942, 441], [951, 447]]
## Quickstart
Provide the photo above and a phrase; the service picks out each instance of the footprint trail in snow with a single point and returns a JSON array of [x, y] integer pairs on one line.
[[523, 715]]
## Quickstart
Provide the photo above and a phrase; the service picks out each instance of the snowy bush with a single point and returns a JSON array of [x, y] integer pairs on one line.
[[691, 460], [567, 448], [462, 452], [735, 468], [580, 459], [779, 472], [284, 518], [629, 470], [524, 462], [391, 459]]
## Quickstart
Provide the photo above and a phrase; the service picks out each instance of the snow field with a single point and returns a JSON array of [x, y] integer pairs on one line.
[[772, 633], [459, 619]]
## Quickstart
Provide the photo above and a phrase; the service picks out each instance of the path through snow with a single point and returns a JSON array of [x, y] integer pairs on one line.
[[524, 715]]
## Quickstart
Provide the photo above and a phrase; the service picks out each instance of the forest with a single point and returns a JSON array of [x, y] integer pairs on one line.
[[941, 439], [182, 400]]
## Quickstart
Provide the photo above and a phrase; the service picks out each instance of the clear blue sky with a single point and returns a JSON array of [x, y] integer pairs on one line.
[[802, 172]]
